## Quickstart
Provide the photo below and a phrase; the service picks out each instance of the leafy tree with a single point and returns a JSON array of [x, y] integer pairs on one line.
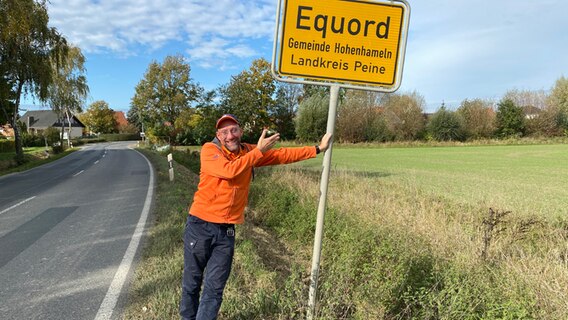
[[284, 111], [69, 88], [558, 101], [133, 116], [312, 117], [197, 126], [186, 122], [27, 46], [51, 136], [99, 118], [358, 117], [310, 90], [510, 119], [165, 91], [7, 97], [527, 98], [548, 123], [445, 125], [404, 115], [249, 96], [478, 118], [6, 108]]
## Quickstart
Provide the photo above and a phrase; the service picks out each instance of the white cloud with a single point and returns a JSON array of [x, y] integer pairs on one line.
[[213, 30]]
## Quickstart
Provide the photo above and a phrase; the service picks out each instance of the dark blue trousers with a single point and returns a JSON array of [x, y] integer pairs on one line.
[[208, 255]]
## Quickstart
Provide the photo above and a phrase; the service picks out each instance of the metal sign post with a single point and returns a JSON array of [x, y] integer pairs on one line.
[[353, 44], [333, 99]]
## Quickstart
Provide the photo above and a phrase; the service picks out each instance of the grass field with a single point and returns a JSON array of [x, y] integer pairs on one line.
[[525, 179], [35, 156]]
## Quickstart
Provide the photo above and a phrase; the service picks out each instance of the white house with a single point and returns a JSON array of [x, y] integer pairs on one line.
[[38, 121]]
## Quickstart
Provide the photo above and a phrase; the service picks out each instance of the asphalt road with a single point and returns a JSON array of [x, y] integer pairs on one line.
[[68, 231]]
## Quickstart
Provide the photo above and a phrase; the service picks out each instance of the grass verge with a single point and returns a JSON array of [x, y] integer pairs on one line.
[[390, 251], [34, 157], [155, 291]]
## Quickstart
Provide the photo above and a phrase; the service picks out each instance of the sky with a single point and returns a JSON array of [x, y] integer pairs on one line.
[[455, 50]]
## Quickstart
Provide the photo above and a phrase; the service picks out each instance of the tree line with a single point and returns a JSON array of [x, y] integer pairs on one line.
[[168, 103]]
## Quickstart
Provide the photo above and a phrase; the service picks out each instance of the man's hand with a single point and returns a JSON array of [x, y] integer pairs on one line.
[[324, 143], [264, 144]]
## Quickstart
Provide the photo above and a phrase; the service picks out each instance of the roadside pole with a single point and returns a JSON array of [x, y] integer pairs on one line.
[[333, 100], [366, 53], [171, 170]]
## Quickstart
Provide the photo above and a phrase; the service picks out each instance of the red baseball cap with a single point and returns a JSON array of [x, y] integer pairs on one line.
[[227, 116]]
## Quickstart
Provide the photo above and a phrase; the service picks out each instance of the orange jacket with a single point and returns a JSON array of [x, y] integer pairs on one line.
[[222, 193]]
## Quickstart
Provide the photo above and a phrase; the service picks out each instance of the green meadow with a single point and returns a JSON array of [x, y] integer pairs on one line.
[[525, 179]]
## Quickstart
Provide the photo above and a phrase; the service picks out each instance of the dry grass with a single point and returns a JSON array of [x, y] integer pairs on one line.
[[530, 251]]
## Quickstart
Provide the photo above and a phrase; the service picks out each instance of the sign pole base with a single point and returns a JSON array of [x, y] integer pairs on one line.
[[333, 101]]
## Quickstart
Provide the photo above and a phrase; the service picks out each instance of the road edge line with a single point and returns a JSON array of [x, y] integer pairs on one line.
[[111, 298]]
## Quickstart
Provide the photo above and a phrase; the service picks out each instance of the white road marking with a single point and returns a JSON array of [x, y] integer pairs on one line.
[[78, 173], [109, 302], [96, 161], [17, 204]]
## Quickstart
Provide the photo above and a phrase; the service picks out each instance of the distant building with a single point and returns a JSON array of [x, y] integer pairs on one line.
[[38, 121], [531, 112]]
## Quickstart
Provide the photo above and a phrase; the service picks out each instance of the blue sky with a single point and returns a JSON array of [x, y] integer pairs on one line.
[[456, 50]]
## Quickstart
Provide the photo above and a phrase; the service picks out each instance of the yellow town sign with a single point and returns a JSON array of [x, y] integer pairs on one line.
[[351, 42]]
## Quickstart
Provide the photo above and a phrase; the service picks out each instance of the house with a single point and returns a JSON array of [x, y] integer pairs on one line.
[[531, 112], [38, 121]]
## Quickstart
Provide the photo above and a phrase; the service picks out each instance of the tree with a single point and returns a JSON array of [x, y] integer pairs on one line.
[[69, 88], [558, 101], [197, 126], [99, 118], [404, 115], [445, 125], [312, 117], [527, 98], [27, 46], [250, 97], [163, 93], [358, 117], [478, 118], [510, 119], [284, 111]]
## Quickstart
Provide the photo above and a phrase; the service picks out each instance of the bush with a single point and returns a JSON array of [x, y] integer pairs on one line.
[[57, 148], [7, 146], [52, 135], [312, 118], [189, 159], [446, 126], [510, 119], [32, 140], [120, 136]]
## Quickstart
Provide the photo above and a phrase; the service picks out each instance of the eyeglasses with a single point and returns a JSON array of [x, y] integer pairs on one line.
[[234, 131]]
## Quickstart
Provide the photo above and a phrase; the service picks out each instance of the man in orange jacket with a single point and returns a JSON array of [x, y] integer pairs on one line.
[[218, 204]]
